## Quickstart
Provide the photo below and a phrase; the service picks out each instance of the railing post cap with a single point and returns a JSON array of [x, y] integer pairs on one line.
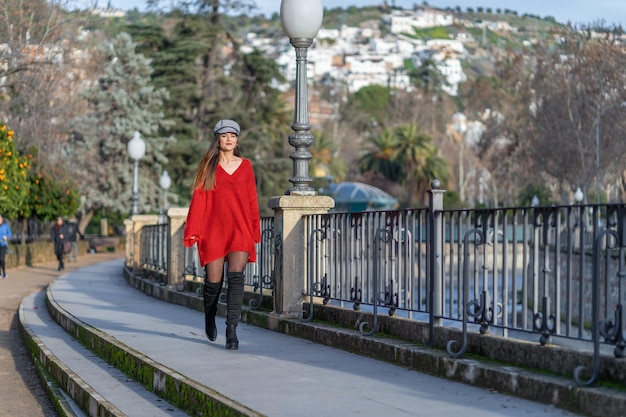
[[435, 184]]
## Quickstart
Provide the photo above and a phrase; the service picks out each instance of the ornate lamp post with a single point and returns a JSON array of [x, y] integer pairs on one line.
[[136, 151], [301, 20], [165, 182]]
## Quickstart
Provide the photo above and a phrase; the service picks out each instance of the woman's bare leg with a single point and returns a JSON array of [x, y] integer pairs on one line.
[[237, 261], [214, 270]]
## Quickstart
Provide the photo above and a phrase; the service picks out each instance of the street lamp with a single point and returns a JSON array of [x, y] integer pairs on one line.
[[579, 220], [165, 182], [598, 119], [535, 201], [136, 151], [301, 20], [578, 195]]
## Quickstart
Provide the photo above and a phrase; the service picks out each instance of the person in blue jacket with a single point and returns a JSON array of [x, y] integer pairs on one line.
[[5, 234]]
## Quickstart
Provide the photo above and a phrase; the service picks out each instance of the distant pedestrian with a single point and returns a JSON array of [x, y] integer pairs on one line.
[[5, 234], [72, 236], [223, 219], [58, 236]]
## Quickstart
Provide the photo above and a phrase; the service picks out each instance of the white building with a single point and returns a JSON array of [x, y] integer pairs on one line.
[[328, 34], [453, 47], [448, 64], [108, 12], [404, 21], [362, 71], [358, 56], [452, 70], [319, 63]]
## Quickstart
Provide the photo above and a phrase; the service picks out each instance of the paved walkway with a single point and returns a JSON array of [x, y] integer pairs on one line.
[[272, 373]]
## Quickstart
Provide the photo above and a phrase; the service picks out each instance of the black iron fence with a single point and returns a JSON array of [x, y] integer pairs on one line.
[[154, 252], [550, 274], [545, 274]]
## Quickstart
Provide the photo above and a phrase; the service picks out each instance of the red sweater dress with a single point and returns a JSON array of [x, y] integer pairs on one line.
[[226, 218]]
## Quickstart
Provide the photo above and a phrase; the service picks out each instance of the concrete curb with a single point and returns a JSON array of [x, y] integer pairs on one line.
[[58, 376]]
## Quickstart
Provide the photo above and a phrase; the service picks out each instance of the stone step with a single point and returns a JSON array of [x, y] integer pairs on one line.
[[83, 383]]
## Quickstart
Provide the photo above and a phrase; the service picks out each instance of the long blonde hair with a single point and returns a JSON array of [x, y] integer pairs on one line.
[[205, 174]]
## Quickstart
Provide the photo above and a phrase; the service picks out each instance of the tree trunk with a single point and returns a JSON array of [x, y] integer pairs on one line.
[[84, 221], [24, 229]]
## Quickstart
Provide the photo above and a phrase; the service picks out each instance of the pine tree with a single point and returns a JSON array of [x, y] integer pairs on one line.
[[122, 101], [210, 78]]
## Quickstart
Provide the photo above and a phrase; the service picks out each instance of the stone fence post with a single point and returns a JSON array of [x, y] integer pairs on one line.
[[175, 247], [130, 239], [289, 273]]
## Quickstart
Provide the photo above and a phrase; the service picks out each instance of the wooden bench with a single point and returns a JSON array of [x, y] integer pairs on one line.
[[103, 242]]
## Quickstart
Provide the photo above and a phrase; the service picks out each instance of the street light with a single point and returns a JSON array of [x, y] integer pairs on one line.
[[598, 119], [136, 150], [579, 220], [165, 182], [535, 201], [301, 20], [578, 195]]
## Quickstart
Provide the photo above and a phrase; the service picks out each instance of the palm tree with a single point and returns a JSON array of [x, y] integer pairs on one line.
[[379, 156], [413, 151], [407, 156], [325, 153]]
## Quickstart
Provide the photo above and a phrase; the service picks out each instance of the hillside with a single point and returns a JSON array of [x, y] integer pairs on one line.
[[513, 33]]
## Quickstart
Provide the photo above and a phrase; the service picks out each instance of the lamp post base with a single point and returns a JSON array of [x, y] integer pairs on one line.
[[301, 192]]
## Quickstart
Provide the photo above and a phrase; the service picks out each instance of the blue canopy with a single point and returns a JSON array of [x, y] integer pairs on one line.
[[356, 196]]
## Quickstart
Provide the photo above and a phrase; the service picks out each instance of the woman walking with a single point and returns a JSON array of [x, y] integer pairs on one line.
[[58, 236], [223, 219]]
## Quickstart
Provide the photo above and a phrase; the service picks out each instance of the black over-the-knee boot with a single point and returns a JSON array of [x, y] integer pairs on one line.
[[234, 300], [211, 297]]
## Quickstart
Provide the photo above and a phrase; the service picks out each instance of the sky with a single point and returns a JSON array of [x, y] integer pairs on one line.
[[575, 11]]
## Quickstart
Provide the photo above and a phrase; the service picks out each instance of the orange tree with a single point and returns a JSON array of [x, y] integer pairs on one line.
[[52, 194], [51, 197], [14, 170]]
